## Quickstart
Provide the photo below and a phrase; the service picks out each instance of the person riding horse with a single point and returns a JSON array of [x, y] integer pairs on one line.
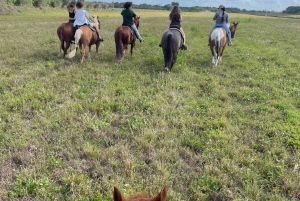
[[175, 18], [221, 18], [82, 18], [128, 15]]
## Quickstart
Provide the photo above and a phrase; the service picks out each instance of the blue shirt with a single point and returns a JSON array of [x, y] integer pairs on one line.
[[81, 17]]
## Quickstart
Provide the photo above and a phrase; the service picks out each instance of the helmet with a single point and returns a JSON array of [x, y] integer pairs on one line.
[[221, 6]]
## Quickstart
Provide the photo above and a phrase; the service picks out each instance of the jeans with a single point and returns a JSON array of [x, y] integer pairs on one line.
[[225, 27], [136, 32]]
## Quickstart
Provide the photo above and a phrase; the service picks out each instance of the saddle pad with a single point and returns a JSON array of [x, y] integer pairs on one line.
[[172, 28], [77, 27]]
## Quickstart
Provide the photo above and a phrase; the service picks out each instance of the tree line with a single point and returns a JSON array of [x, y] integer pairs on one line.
[[113, 5]]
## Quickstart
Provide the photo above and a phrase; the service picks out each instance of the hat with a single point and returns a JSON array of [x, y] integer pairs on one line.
[[221, 6]]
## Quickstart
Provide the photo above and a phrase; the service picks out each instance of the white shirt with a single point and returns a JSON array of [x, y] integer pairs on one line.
[[81, 17]]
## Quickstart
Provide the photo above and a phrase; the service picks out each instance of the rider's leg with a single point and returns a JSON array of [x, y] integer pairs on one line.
[[184, 47], [229, 34], [137, 33], [97, 31]]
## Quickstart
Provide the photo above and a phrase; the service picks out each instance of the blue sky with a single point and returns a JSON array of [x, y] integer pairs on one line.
[[275, 5]]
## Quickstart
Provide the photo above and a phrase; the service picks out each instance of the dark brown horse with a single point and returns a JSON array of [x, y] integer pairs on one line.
[[85, 38], [218, 40], [123, 37], [65, 33], [160, 197]]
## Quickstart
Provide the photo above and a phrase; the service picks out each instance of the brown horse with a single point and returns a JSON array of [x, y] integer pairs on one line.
[[218, 39], [65, 33], [160, 197], [85, 38], [123, 37]]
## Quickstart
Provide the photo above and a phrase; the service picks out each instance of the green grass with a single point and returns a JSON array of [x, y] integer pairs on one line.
[[72, 131]]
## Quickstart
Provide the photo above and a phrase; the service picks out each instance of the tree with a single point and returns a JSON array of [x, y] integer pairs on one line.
[[174, 3]]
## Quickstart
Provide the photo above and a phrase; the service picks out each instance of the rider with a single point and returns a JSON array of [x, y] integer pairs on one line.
[[128, 16], [82, 18], [221, 18], [72, 11], [176, 17]]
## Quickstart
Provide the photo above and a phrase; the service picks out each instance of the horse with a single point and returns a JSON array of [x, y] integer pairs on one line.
[[65, 33], [171, 42], [159, 197], [124, 37], [218, 39], [85, 37]]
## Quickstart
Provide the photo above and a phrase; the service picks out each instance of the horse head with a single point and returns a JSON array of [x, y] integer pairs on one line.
[[136, 21], [159, 197], [232, 27]]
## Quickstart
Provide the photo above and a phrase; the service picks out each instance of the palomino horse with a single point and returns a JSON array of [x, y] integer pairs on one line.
[[171, 42], [65, 33], [218, 39], [123, 37], [85, 38], [160, 197]]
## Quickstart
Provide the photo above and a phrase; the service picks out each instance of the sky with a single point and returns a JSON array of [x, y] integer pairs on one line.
[[270, 5]]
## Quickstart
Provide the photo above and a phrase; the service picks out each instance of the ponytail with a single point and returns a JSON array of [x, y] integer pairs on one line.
[[223, 9]]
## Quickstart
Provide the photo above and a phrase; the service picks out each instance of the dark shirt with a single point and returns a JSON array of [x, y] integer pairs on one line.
[[71, 15], [128, 16], [176, 20]]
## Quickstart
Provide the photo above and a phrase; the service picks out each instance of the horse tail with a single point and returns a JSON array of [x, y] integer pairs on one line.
[[119, 46], [169, 49], [60, 36], [77, 36]]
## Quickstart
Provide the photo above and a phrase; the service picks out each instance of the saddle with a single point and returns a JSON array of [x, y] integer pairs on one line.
[[132, 31], [175, 27], [78, 26]]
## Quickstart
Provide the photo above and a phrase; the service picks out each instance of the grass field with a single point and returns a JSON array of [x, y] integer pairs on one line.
[[72, 131]]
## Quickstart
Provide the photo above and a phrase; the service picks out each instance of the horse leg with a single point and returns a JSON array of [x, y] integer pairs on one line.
[[213, 61], [132, 46], [89, 56]]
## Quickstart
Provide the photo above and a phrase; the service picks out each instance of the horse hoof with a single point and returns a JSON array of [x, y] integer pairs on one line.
[[166, 69]]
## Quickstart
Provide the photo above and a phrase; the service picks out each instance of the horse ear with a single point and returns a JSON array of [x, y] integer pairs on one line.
[[162, 195], [139, 17], [117, 195]]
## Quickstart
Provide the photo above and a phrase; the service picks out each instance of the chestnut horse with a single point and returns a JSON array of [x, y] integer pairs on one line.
[[218, 39], [65, 33], [123, 37], [85, 38], [160, 197]]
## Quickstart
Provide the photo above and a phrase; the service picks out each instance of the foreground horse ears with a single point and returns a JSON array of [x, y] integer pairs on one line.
[[117, 195], [160, 197]]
